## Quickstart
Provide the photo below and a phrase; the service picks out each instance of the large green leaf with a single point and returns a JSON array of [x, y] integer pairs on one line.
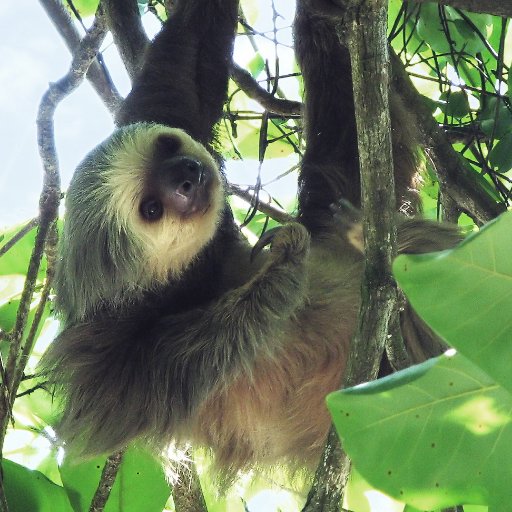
[[435, 435], [440, 434], [30, 491], [140, 483], [465, 295]]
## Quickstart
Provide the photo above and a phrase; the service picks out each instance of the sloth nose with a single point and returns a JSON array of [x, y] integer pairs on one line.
[[191, 173], [185, 181]]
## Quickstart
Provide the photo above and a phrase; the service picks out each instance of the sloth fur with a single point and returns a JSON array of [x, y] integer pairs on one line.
[[170, 331]]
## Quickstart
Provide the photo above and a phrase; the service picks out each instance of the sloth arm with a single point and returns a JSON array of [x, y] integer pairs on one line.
[[184, 79], [207, 345], [132, 376]]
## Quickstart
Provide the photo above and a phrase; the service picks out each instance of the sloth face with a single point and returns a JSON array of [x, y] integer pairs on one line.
[[166, 191], [176, 183], [139, 210]]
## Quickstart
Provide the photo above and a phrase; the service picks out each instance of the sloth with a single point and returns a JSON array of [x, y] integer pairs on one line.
[[173, 327], [172, 331]]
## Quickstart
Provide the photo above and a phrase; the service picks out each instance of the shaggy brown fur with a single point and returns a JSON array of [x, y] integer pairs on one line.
[[330, 167], [170, 330]]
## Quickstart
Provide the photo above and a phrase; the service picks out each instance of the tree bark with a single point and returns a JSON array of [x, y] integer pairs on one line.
[[107, 480], [367, 43], [362, 27]]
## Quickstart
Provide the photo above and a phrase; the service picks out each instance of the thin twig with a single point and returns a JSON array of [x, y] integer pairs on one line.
[[51, 259], [272, 211], [31, 390], [267, 100], [19, 235]]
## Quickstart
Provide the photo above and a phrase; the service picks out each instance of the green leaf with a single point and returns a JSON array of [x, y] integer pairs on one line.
[[463, 35], [482, 181], [430, 29], [394, 7], [248, 141], [30, 491], [484, 23], [10, 293], [140, 483], [256, 65], [15, 261], [469, 38], [501, 154], [454, 103], [86, 7], [495, 120], [9, 311], [465, 295], [435, 435]]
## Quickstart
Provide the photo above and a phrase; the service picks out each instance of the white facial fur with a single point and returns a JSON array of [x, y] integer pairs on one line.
[[170, 244]]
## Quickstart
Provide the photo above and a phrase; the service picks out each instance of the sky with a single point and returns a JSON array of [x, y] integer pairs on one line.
[[33, 55]]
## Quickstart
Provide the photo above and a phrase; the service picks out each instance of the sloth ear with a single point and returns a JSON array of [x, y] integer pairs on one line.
[[167, 144]]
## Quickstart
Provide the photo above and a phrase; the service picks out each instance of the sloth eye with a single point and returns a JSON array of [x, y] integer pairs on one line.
[[151, 209]]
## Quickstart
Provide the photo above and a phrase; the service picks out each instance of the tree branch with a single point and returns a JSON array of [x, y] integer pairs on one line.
[[367, 42], [107, 479], [123, 20], [331, 476], [18, 236], [50, 195], [97, 74], [48, 211], [268, 209], [50, 250], [186, 492], [361, 25], [267, 100]]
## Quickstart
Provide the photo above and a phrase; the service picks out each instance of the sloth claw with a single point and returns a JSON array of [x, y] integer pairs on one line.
[[291, 239], [264, 240]]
